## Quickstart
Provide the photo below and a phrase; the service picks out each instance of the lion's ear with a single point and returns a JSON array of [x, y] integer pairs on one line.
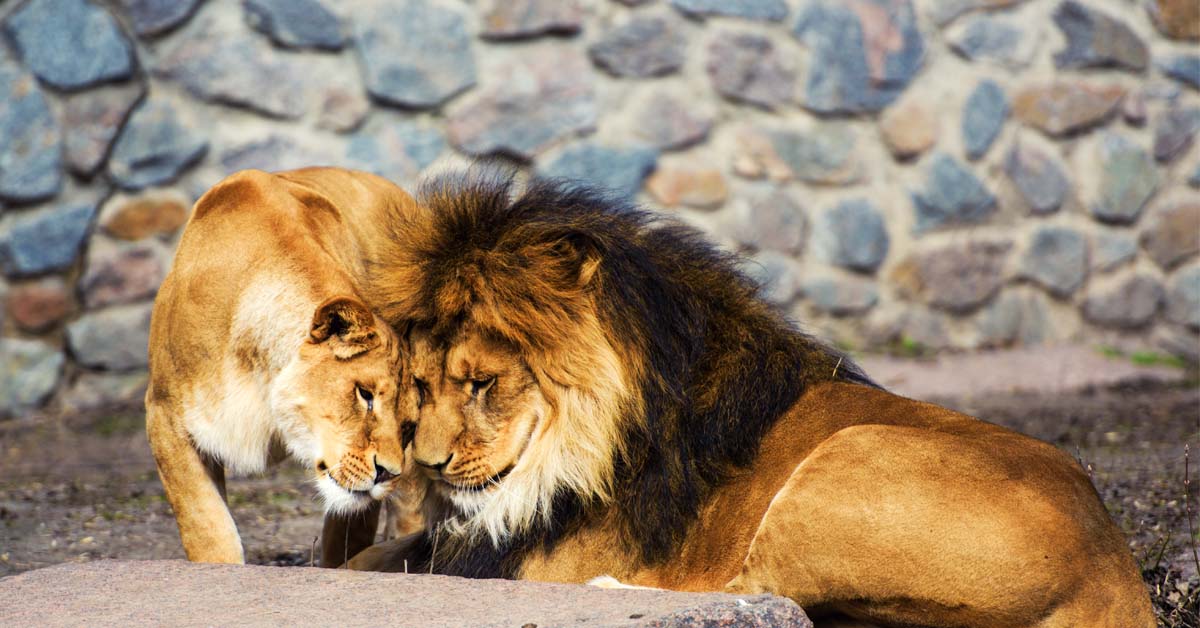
[[581, 255], [346, 324]]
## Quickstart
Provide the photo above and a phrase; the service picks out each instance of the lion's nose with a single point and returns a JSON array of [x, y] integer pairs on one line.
[[382, 474], [436, 466]]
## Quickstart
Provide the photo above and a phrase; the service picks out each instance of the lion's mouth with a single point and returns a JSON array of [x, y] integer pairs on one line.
[[490, 482]]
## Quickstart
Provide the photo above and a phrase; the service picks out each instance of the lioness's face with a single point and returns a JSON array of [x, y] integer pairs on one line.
[[477, 407], [347, 378]]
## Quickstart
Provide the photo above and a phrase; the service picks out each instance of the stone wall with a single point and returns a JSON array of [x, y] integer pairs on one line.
[[923, 174]]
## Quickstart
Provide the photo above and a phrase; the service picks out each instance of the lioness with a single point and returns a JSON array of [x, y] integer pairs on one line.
[[261, 346], [597, 392]]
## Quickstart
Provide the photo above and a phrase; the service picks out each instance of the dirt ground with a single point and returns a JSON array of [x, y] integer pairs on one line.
[[81, 488]]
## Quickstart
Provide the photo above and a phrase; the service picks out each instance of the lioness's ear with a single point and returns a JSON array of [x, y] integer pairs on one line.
[[581, 254], [346, 324]]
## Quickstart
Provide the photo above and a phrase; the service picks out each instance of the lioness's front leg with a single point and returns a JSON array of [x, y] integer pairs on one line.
[[194, 488], [345, 535]]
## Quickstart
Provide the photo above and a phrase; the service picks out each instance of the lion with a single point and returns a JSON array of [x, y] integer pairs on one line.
[[599, 391], [262, 346]]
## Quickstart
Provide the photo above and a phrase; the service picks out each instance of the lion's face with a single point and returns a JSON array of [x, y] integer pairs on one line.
[[342, 397], [478, 407]]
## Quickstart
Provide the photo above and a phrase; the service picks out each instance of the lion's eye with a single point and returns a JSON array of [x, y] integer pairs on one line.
[[367, 396], [482, 385]]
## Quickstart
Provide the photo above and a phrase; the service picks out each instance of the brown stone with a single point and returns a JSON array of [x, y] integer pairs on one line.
[[512, 19], [957, 278], [1062, 108], [1177, 19], [703, 188], [1173, 234], [909, 129], [39, 305], [755, 157], [153, 213], [122, 272]]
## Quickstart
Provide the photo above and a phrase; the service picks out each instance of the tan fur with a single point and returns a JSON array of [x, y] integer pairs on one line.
[[261, 341]]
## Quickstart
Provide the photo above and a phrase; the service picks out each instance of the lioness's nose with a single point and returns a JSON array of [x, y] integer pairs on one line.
[[436, 466], [382, 474]]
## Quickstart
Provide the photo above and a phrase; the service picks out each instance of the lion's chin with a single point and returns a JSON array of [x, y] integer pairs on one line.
[[339, 501]]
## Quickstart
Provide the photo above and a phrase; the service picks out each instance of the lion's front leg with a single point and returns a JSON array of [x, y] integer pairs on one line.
[[394, 555], [195, 488], [345, 535]]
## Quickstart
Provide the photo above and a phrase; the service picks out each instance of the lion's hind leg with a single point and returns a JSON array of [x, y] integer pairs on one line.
[[911, 526]]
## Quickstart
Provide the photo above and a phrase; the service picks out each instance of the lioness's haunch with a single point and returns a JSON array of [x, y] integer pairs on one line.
[[599, 391], [261, 346]]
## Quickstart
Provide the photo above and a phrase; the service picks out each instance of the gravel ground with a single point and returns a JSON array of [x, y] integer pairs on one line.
[[82, 488]]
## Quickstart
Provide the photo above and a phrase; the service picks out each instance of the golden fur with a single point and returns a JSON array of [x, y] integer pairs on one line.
[[261, 346], [597, 392]]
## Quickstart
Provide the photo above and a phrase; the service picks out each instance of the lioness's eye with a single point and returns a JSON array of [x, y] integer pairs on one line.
[[481, 385], [367, 396]]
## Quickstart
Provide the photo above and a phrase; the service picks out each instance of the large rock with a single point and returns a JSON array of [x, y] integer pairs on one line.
[[398, 151], [158, 143], [952, 196], [670, 121], [826, 153], [1174, 132], [909, 128], [122, 272], [296, 23], [1125, 179], [955, 277], [690, 185], [1129, 304], [514, 19], [1183, 297], [777, 275], [983, 117], [155, 17], [542, 95], [29, 373], [43, 240], [1177, 19], [642, 47], [37, 306], [30, 145], [1057, 259], [1097, 40], [852, 234], [151, 213], [1173, 233], [413, 53], [843, 296], [1040, 179], [768, 219], [70, 44], [116, 338], [1064, 108], [178, 592], [619, 169], [767, 10], [1005, 41], [91, 121], [1184, 68], [863, 52], [746, 67]]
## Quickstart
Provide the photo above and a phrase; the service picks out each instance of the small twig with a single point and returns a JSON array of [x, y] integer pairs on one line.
[[405, 565], [1187, 508], [346, 546], [838, 365], [433, 555], [312, 553]]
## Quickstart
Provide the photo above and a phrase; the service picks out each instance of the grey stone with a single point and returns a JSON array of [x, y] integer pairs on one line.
[[43, 240], [777, 274], [1110, 251], [983, 118], [773, 219], [669, 122], [1179, 342], [1174, 132], [91, 121], [29, 373], [862, 56], [1057, 259], [955, 277], [825, 154], [1014, 318], [746, 67], [852, 235], [157, 144], [1130, 304], [542, 95], [515, 19], [1194, 178], [122, 272], [398, 151], [768, 10], [924, 329], [945, 11], [155, 17], [1183, 297], [1126, 180], [1063, 108], [952, 196], [99, 390], [1184, 68], [620, 170], [30, 144], [273, 153], [70, 44], [175, 592], [849, 296], [414, 53], [115, 338], [642, 47], [1003, 41], [1040, 179], [1097, 40], [1172, 233], [295, 23]]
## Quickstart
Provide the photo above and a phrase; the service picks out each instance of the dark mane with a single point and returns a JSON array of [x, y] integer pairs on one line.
[[718, 365]]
